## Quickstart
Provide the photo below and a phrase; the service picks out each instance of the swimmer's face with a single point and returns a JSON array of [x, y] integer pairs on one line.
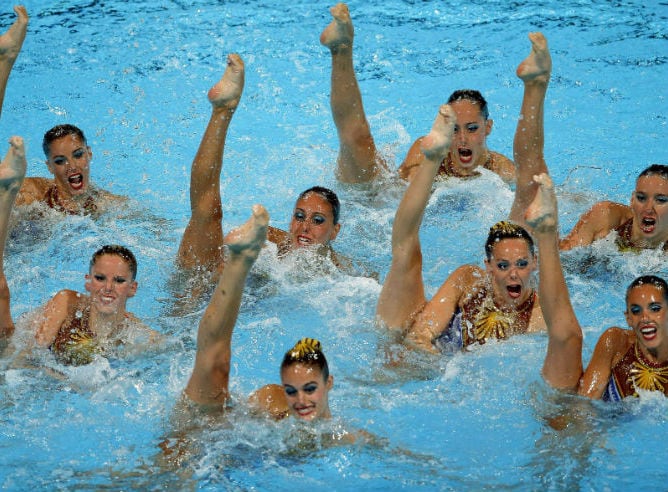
[[509, 269], [110, 284], [306, 391], [646, 309], [313, 222], [69, 161], [649, 204], [469, 147]]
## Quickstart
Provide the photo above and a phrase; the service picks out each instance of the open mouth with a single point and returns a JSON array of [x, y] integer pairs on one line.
[[304, 411], [303, 241], [76, 181], [647, 224], [514, 291], [648, 332], [465, 155]]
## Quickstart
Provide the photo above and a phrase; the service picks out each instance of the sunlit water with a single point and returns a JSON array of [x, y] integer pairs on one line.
[[134, 76]]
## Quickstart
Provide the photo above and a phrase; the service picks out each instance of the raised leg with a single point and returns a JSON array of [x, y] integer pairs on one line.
[[12, 172], [10, 46], [202, 242], [529, 136], [358, 159], [209, 381], [403, 291], [562, 368]]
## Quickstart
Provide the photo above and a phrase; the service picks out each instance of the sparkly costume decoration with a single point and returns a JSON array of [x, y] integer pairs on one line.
[[447, 168], [480, 319], [53, 200], [306, 348], [634, 372], [76, 343]]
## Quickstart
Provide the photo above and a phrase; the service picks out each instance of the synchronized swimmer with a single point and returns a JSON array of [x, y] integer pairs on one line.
[[473, 304]]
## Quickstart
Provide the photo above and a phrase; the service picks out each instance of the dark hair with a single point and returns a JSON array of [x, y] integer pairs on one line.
[[653, 280], [471, 95], [308, 352], [506, 230], [328, 195], [120, 251], [655, 170], [60, 131]]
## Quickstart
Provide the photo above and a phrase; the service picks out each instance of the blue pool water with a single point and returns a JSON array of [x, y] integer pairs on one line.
[[134, 76]]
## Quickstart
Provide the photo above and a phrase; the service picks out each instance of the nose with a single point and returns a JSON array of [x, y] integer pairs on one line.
[[301, 397], [108, 285]]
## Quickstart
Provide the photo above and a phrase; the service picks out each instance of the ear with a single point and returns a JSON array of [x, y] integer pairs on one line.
[[488, 266], [330, 382], [133, 288], [90, 153], [49, 166], [488, 126], [87, 284], [628, 318], [337, 228]]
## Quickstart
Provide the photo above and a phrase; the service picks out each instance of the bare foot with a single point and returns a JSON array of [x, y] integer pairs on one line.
[[538, 65], [436, 144], [246, 241], [541, 215], [226, 93], [13, 167], [12, 40], [340, 31]]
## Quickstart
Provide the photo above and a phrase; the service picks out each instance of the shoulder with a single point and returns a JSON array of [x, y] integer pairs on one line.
[[33, 189], [68, 297], [276, 235], [618, 338], [467, 275], [502, 166], [612, 213], [270, 400]]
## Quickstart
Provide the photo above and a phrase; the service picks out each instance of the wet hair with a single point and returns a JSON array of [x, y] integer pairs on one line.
[[506, 230], [121, 252], [60, 131], [653, 280], [308, 352], [328, 195], [655, 170], [473, 96]]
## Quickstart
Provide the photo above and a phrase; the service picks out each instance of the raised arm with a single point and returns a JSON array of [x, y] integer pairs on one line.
[[202, 242], [534, 71], [403, 292], [209, 381], [12, 172], [563, 362]]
